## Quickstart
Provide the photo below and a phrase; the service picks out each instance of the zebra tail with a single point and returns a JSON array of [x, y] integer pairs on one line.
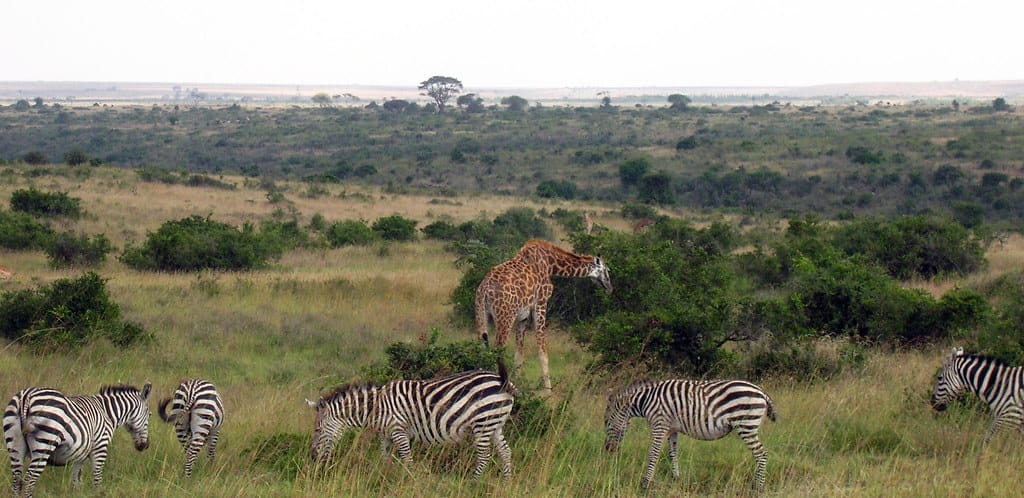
[[163, 410], [506, 384], [771, 408]]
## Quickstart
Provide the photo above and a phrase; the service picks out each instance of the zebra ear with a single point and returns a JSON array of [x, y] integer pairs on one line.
[[146, 389], [312, 404], [958, 351]]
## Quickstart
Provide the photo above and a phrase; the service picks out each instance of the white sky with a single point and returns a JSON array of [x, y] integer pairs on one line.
[[515, 44]]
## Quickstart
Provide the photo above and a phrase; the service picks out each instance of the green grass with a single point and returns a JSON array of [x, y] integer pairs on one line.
[[270, 339]]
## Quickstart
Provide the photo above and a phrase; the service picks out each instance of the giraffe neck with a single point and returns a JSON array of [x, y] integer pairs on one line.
[[553, 260]]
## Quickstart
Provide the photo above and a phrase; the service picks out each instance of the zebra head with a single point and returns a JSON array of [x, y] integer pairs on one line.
[[127, 406], [599, 272], [949, 384], [616, 417], [347, 407]]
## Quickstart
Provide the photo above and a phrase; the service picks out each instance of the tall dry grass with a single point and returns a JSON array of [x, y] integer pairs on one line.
[[271, 338]]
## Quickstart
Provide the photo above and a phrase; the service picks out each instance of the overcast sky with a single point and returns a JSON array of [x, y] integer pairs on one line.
[[517, 44]]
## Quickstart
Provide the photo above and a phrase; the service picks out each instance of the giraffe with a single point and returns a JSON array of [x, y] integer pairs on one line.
[[518, 290], [5, 274], [588, 223], [642, 225]]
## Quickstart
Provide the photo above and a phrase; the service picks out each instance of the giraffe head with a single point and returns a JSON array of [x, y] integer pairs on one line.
[[599, 272]]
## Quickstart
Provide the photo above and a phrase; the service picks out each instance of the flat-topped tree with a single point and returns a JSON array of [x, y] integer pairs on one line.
[[441, 89]]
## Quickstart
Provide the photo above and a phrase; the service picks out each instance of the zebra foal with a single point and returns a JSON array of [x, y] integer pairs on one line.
[[197, 413], [443, 410], [995, 382], [702, 409], [47, 427]]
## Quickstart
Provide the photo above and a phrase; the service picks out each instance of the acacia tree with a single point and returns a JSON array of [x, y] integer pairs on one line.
[[441, 89]]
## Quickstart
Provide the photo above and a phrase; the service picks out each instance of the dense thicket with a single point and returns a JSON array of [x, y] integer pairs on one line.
[[957, 161]]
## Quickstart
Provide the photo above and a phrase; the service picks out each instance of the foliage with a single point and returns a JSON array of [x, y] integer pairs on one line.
[[349, 233], [68, 250], [429, 359], [656, 188], [561, 189], [441, 89], [631, 171], [197, 243], [67, 313], [395, 228], [35, 158], [20, 231], [48, 204], [76, 157], [515, 103], [913, 246], [671, 306]]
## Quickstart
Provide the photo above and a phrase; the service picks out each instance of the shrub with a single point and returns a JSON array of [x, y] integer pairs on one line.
[[863, 155], [563, 189], [428, 359], [48, 204], [19, 231], [69, 250], [76, 157], [442, 230], [35, 158], [66, 314], [197, 243], [396, 228], [914, 246], [349, 233]]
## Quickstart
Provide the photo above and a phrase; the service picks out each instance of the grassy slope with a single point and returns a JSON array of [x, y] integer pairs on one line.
[[269, 339]]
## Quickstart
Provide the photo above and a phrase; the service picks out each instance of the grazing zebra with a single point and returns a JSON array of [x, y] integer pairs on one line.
[[197, 413], [443, 410], [48, 427], [702, 409], [995, 382]]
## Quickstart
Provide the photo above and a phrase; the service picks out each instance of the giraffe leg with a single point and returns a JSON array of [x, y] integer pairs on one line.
[[542, 348]]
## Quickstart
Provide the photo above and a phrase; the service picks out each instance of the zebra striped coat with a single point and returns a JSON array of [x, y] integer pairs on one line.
[[46, 426], [443, 410], [995, 382], [197, 413], [702, 409]]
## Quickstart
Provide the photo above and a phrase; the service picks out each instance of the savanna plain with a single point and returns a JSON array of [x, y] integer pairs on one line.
[[273, 337]]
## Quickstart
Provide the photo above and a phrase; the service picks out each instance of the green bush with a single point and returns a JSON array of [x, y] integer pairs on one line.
[[442, 230], [913, 246], [429, 359], [20, 231], [197, 243], [395, 228], [50, 204], [67, 313], [349, 233], [67, 250]]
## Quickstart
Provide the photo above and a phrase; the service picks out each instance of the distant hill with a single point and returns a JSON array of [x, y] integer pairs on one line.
[[80, 93]]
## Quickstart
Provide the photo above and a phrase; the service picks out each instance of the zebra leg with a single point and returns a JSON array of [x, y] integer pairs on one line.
[[76, 472], [16, 452], [504, 453], [211, 442], [657, 439], [483, 442], [99, 459], [401, 440], [749, 437], [192, 452], [35, 467], [673, 452]]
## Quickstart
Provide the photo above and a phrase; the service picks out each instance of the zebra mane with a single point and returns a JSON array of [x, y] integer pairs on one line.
[[117, 388], [345, 389], [991, 360]]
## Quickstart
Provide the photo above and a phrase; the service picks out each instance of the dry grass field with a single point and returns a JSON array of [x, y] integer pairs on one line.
[[271, 338]]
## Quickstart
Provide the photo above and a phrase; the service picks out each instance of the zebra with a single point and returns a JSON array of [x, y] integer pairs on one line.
[[197, 413], [995, 382], [47, 427], [702, 409], [443, 410]]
